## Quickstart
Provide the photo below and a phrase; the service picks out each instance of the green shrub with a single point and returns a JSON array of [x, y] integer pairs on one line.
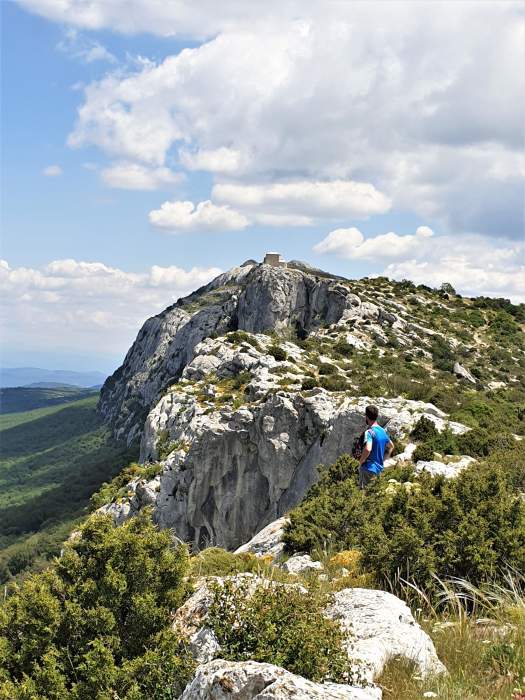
[[278, 353], [327, 368], [237, 337], [118, 487], [343, 349], [424, 429], [469, 527], [333, 383], [309, 383], [424, 452], [215, 561], [279, 624], [97, 625]]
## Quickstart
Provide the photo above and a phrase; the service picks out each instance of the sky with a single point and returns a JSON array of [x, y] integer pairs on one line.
[[148, 146]]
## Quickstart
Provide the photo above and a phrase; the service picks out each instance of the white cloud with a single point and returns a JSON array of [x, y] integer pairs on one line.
[[221, 160], [205, 216], [350, 243], [86, 50], [424, 105], [87, 304], [133, 176], [304, 198], [52, 171], [473, 264]]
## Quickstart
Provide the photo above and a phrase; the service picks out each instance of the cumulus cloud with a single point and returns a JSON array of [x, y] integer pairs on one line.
[[220, 160], [205, 216], [473, 264], [52, 171], [87, 303], [134, 176], [309, 95], [350, 243], [331, 199]]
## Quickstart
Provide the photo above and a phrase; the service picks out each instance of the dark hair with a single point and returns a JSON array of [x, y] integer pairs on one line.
[[371, 412]]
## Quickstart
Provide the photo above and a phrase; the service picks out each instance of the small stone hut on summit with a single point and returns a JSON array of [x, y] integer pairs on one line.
[[274, 259]]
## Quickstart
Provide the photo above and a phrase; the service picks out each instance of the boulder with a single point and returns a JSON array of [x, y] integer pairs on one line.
[[250, 680], [448, 469], [382, 628], [463, 373], [301, 563], [267, 542]]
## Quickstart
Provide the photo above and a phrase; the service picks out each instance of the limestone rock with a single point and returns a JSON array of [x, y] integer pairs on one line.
[[267, 542], [448, 469], [204, 646], [251, 297], [462, 372], [379, 624], [265, 453], [250, 680], [383, 628], [300, 563]]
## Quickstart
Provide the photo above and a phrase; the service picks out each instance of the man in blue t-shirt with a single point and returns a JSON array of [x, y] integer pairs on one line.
[[377, 447]]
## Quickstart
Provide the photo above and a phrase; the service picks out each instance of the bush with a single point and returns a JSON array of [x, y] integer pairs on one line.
[[309, 383], [333, 383], [327, 368], [97, 625], [424, 452], [215, 561], [278, 353], [424, 429], [343, 349], [279, 624], [469, 527]]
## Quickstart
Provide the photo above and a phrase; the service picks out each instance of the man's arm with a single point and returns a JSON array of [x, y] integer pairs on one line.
[[389, 449]]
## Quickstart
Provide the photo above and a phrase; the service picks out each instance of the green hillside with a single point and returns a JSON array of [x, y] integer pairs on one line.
[[51, 460], [14, 400]]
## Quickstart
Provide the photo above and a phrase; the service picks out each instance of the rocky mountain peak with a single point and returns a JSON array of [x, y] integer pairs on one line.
[[252, 297]]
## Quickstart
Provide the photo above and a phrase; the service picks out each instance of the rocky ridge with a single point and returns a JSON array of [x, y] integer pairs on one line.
[[248, 385]]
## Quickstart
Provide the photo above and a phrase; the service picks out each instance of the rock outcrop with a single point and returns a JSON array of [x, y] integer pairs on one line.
[[249, 680], [267, 542], [253, 297], [379, 627], [265, 453], [382, 628], [236, 415]]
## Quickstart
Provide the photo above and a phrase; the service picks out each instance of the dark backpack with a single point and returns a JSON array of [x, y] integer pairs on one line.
[[359, 442]]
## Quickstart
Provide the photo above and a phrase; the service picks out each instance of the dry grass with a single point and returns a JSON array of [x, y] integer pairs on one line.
[[479, 634]]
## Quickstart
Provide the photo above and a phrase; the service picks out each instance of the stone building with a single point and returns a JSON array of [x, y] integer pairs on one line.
[[274, 259]]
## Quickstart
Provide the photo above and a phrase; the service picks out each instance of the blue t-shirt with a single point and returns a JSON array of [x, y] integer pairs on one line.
[[376, 439]]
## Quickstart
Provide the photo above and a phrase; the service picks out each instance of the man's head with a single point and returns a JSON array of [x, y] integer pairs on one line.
[[371, 413]]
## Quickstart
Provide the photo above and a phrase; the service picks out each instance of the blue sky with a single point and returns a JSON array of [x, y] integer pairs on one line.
[[146, 148]]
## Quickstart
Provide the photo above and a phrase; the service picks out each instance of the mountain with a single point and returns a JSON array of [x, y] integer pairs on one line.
[[15, 399], [239, 391], [25, 376]]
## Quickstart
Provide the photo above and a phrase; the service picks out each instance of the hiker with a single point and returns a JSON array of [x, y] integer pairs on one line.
[[377, 446]]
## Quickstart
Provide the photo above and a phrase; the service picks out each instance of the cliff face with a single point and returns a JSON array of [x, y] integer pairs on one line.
[[242, 389], [253, 297]]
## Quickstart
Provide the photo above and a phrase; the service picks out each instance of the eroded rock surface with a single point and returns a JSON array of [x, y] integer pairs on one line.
[[267, 542], [249, 680], [382, 627], [379, 626]]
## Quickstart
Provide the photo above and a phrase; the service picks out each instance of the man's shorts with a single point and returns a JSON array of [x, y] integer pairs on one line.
[[365, 477]]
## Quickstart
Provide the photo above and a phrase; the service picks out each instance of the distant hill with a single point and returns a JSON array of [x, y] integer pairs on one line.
[[27, 376], [16, 399], [51, 460]]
